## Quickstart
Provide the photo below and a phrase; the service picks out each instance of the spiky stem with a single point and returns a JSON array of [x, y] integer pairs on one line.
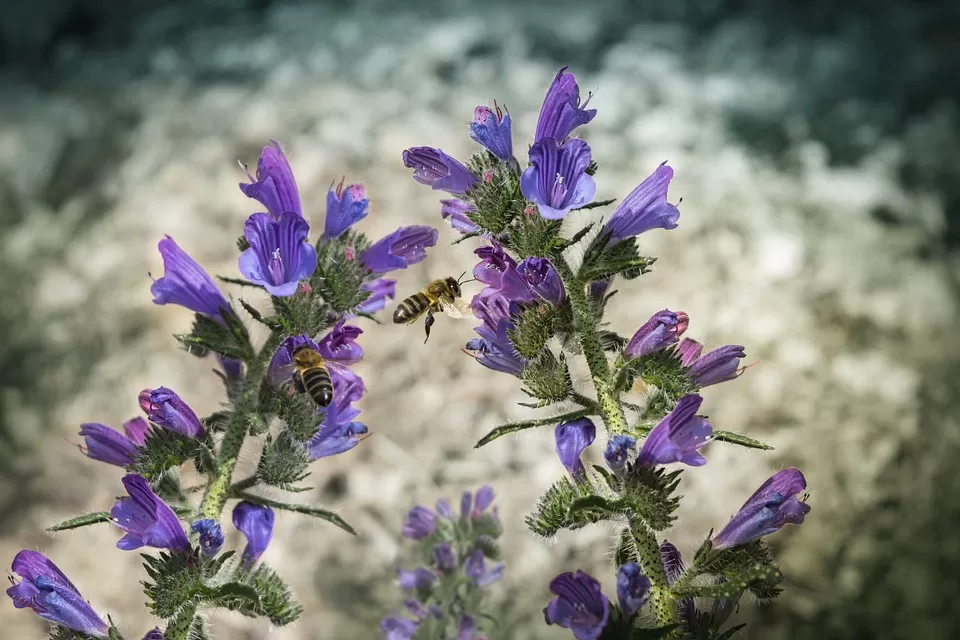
[[662, 602]]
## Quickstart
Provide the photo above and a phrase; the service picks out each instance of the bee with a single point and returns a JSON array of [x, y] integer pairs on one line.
[[310, 376], [441, 295]]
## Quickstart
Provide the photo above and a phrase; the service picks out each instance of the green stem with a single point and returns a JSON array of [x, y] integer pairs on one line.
[[179, 626], [242, 485], [586, 327], [662, 602]]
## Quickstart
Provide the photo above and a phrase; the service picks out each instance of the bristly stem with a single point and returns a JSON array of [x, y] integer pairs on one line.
[[586, 328], [662, 603], [218, 490], [180, 625]]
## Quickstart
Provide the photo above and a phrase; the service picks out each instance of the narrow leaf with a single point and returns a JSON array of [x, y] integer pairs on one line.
[[81, 521], [239, 281], [743, 441], [233, 591], [469, 234], [305, 509], [513, 427], [595, 205]]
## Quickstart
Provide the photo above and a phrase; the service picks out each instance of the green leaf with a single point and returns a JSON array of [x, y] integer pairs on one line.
[[514, 427], [273, 322], [547, 377], [284, 461], [757, 575], [653, 634], [232, 595], [229, 339], [337, 280], [498, 201], [729, 633], [553, 511], [81, 521], [274, 600], [562, 245], [242, 244], [601, 261], [592, 168], [305, 509], [651, 495], [175, 580], [240, 281], [162, 450], [534, 235], [595, 205], [533, 327], [62, 633], [743, 441], [466, 236]]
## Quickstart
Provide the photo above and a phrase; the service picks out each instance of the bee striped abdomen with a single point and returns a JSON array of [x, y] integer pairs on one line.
[[317, 383], [411, 308]]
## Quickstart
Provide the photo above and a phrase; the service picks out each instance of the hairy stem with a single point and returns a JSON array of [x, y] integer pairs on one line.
[[586, 327], [179, 626], [662, 603]]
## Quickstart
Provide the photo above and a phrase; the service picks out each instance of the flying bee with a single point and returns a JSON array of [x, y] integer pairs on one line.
[[441, 295], [310, 376]]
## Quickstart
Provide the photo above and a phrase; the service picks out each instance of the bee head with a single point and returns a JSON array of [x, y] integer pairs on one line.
[[454, 285], [307, 357]]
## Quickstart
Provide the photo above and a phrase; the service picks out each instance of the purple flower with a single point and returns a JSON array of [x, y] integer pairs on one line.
[[436, 169], [444, 509], [659, 332], [465, 628], [562, 112], [673, 567], [494, 262], [148, 520], [279, 256], [274, 186], [645, 208], [185, 283], [232, 368], [419, 579], [380, 290], [557, 180], [617, 451], [345, 207], [633, 587], [494, 349], [598, 289], [719, 365], [482, 500], [338, 348], [579, 606], [492, 130], [455, 212], [397, 628], [166, 409], [572, 439], [211, 536], [339, 432], [531, 280], [678, 436], [154, 634], [689, 351], [111, 446], [475, 567], [444, 557], [44, 588], [400, 249], [255, 522], [420, 523], [772, 506], [340, 344]]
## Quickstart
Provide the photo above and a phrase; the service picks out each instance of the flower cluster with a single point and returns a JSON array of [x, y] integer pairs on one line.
[[459, 552], [541, 307], [317, 291]]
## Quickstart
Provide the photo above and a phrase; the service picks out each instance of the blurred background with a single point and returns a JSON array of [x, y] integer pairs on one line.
[[816, 150]]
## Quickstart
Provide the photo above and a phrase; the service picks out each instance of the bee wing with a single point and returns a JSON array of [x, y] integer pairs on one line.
[[278, 374], [459, 308]]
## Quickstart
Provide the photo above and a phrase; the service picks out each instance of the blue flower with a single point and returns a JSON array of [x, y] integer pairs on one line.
[[154, 634], [345, 207], [688, 351], [255, 522], [662, 330], [541, 278], [444, 557], [419, 579], [455, 212], [473, 507], [494, 262], [380, 290], [465, 627], [339, 432], [718, 366], [562, 112], [279, 256], [494, 349], [633, 588], [211, 536], [579, 606], [274, 186], [557, 180], [645, 208], [44, 588], [147, 520], [618, 451], [475, 567], [772, 506], [436, 169], [678, 436], [110, 446], [397, 628], [166, 409], [338, 348], [492, 130], [185, 283], [400, 249], [673, 568], [419, 523], [572, 439]]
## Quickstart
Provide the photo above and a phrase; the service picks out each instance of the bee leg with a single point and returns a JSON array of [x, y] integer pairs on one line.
[[427, 323], [298, 383]]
